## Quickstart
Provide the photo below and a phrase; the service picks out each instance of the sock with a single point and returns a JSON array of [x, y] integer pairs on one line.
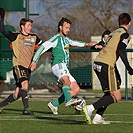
[[8, 100], [24, 95], [97, 117], [104, 102], [66, 92], [90, 108], [101, 111], [58, 101]]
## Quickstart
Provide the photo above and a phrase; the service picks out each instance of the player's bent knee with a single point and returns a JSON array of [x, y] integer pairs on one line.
[[74, 91], [77, 90], [118, 98], [117, 95]]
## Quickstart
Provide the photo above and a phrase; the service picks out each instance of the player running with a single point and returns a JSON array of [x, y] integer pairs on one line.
[[60, 63], [23, 44], [104, 67]]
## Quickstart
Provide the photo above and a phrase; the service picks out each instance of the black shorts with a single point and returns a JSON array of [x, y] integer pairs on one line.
[[21, 74], [106, 75]]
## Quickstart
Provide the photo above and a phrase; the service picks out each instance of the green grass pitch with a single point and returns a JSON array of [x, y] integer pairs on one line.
[[43, 121]]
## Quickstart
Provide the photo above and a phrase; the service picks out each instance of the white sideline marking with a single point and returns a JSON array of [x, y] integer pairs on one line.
[[125, 122]]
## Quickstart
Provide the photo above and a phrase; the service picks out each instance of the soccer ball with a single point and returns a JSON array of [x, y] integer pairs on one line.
[[80, 105]]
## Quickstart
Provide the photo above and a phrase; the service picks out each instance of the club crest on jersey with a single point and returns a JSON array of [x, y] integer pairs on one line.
[[67, 47], [32, 40]]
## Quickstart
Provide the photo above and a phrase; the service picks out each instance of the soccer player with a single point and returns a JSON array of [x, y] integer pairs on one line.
[[23, 43], [104, 68], [60, 63], [102, 44]]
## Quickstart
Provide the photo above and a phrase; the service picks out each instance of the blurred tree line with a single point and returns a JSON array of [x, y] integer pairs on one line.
[[89, 17]]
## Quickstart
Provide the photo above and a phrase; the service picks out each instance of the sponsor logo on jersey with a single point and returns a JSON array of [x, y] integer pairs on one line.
[[125, 41], [29, 41], [27, 44]]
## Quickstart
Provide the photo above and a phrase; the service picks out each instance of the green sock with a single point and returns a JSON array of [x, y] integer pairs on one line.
[[66, 92], [58, 101]]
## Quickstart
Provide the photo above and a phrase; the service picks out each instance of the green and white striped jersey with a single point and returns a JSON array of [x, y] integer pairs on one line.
[[60, 49]]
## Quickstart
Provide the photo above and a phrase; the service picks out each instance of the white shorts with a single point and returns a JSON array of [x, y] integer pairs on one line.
[[60, 70]]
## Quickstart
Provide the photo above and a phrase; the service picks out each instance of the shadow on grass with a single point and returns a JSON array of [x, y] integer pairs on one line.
[[14, 110], [19, 110], [60, 120]]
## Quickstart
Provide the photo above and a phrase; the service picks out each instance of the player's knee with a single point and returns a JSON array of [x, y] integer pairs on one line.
[[117, 95], [76, 90], [118, 98], [65, 81], [16, 96], [25, 84]]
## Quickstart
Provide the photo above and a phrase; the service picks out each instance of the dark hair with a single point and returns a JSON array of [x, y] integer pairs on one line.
[[106, 32], [23, 21], [62, 22], [124, 19]]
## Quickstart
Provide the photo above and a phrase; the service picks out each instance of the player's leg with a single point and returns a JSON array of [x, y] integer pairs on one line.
[[107, 79], [98, 117], [62, 73], [23, 75], [14, 96], [116, 94], [24, 94], [101, 105], [69, 84], [108, 83], [11, 98], [65, 96], [75, 89]]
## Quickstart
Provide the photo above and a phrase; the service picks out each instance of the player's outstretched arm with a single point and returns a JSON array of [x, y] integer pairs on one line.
[[90, 44], [2, 27], [2, 12]]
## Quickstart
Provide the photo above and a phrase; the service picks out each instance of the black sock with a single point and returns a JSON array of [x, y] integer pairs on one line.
[[104, 102], [8, 100], [24, 95], [101, 111]]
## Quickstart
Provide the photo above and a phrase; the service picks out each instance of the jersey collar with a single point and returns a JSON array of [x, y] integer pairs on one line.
[[123, 28]]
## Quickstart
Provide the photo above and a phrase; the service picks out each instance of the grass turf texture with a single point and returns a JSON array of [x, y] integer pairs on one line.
[[43, 121]]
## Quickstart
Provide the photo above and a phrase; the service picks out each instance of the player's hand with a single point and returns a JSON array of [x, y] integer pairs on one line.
[[98, 46], [90, 44], [2, 12], [33, 66]]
